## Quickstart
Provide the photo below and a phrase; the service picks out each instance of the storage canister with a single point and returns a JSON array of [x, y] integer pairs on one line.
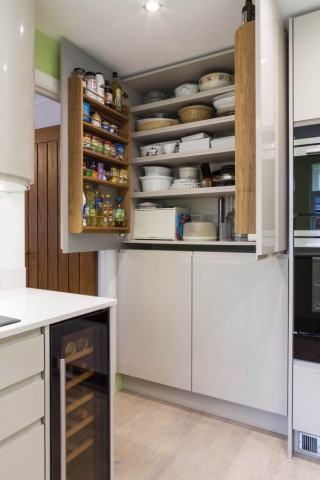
[[113, 150], [86, 140], [100, 87], [96, 119], [105, 125], [91, 85], [80, 72], [113, 129], [107, 147]]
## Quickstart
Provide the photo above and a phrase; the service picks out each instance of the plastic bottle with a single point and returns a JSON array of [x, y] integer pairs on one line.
[[98, 197], [119, 214], [117, 92], [108, 212], [90, 206]]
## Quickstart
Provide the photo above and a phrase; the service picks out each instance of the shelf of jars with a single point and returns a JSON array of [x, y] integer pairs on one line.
[[98, 155]]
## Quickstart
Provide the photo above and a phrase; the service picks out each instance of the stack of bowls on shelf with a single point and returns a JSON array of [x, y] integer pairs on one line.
[[161, 148], [225, 104], [156, 179], [188, 179]]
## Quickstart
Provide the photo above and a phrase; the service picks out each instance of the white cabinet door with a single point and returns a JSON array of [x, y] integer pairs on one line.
[[306, 394], [240, 329], [306, 67], [271, 129], [155, 316]]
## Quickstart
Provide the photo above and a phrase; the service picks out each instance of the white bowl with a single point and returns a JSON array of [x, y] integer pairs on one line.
[[214, 80], [169, 147], [157, 171], [155, 183], [188, 173], [223, 100], [151, 150], [186, 89]]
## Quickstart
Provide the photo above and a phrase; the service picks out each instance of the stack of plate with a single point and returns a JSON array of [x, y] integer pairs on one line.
[[183, 184], [224, 104]]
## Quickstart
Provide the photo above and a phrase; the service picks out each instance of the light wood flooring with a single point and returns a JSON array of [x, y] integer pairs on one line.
[[155, 440]]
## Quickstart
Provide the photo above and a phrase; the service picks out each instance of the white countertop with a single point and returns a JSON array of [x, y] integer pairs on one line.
[[37, 308]]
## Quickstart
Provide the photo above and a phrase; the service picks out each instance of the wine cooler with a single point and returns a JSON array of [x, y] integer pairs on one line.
[[80, 398]]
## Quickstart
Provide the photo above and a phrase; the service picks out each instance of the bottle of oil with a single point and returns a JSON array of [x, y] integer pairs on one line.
[[119, 214], [248, 12], [98, 197], [117, 92], [90, 206]]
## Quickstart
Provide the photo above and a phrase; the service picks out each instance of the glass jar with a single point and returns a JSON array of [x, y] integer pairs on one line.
[[106, 147], [96, 119], [95, 144], [91, 85], [80, 72], [105, 125], [113, 129], [87, 140]]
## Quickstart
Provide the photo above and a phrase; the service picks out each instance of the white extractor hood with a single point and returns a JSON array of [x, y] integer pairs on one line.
[[17, 47]]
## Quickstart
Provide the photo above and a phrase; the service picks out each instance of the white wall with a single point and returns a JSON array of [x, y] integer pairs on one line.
[[12, 231], [46, 112]]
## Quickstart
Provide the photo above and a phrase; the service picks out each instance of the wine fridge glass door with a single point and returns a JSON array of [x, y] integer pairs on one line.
[[80, 402]]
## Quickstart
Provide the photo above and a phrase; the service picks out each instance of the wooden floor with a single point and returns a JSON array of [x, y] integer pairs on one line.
[[155, 440]]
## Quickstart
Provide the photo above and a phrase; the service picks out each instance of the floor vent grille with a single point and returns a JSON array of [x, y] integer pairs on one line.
[[309, 444]]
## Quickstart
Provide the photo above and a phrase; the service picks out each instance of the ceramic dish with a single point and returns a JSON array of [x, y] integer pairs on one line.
[[214, 80], [185, 186], [151, 150], [189, 173], [152, 123], [222, 100], [195, 113], [154, 170], [155, 183], [186, 89], [225, 109]]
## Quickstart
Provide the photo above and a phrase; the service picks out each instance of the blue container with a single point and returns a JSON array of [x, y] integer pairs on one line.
[[86, 110]]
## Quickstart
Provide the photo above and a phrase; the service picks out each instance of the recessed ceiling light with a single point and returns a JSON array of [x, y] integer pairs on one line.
[[152, 6]]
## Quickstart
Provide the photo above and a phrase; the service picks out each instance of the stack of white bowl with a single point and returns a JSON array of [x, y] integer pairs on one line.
[[224, 104], [156, 179], [188, 179]]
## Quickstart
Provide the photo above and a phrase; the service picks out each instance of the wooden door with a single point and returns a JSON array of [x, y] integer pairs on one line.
[[47, 267]]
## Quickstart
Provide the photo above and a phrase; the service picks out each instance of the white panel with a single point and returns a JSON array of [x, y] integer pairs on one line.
[[23, 458], [47, 113], [306, 395], [271, 123], [17, 45], [155, 316], [12, 237], [306, 67], [21, 360], [240, 329], [20, 408]]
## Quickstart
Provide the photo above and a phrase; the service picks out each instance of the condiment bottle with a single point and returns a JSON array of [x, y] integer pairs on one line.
[[98, 205], [108, 94], [119, 214], [96, 119], [248, 12], [100, 87], [91, 85], [117, 92]]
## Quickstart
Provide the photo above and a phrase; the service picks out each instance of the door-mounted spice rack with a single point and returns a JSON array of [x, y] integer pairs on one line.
[[106, 147]]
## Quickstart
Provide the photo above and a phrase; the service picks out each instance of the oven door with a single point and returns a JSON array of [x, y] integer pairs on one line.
[[307, 189], [307, 306]]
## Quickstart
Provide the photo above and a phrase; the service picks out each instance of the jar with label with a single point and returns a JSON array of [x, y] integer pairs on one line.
[[114, 175], [91, 85], [108, 95], [100, 87], [100, 145], [124, 176], [87, 140], [86, 112], [117, 93], [113, 150], [80, 72], [96, 119], [106, 147], [95, 143], [113, 129], [119, 151], [105, 125]]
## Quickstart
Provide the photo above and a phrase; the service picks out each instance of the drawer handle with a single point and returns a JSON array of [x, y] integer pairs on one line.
[[63, 414]]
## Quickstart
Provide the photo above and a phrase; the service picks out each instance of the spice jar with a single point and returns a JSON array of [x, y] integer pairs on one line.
[[100, 145], [113, 150], [100, 87], [124, 176], [87, 140], [106, 147], [105, 125], [96, 119], [100, 167], [88, 173], [94, 143], [94, 174], [113, 129], [91, 85], [80, 72], [114, 174]]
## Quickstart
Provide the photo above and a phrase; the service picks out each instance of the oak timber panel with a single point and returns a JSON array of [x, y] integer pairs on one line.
[[245, 129], [53, 241]]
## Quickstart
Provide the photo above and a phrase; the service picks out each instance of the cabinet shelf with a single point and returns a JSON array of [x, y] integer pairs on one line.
[[213, 125], [75, 427], [78, 402], [211, 192], [112, 115], [100, 132], [104, 158], [78, 355], [105, 183], [191, 158], [174, 104], [77, 450], [106, 230], [79, 379]]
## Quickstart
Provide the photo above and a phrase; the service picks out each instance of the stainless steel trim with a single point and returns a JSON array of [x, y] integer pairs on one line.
[[63, 414], [307, 233], [303, 150], [299, 142], [313, 151], [307, 242]]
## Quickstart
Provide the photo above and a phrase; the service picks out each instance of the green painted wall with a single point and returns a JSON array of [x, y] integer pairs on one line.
[[47, 55], [118, 382]]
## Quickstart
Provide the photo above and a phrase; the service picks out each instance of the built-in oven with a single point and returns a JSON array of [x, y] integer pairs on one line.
[[307, 191], [307, 305]]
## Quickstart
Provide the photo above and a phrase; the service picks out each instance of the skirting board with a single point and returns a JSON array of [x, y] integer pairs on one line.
[[232, 411]]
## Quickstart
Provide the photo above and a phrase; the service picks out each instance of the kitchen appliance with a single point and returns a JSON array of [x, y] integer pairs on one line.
[[307, 191], [157, 223], [224, 176], [80, 428]]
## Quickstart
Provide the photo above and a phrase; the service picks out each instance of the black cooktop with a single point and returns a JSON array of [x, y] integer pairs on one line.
[[7, 321]]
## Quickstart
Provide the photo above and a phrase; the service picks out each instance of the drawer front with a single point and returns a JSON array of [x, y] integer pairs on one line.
[[306, 394], [23, 458], [21, 360], [20, 408]]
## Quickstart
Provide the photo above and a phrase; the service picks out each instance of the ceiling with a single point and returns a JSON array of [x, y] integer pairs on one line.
[[293, 8], [123, 37]]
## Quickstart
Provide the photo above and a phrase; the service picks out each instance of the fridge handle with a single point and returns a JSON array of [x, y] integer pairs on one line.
[[63, 414]]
